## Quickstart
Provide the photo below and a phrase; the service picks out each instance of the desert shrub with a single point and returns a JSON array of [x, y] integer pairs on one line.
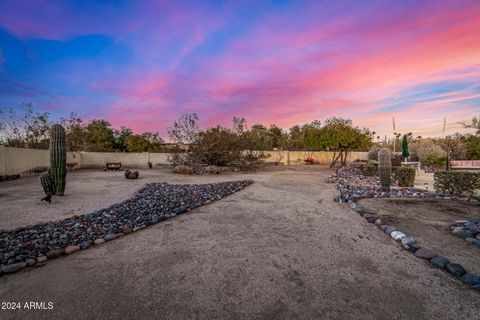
[[428, 149], [212, 170], [369, 169], [456, 183], [183, 169], [436, 162], [404, 176]]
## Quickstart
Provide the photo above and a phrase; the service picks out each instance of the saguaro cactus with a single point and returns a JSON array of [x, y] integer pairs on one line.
[[58, 158], [384, 168], [47, 182]]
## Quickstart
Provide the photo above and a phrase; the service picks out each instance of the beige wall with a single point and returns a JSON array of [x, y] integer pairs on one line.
[[18, 160], [297, 157]]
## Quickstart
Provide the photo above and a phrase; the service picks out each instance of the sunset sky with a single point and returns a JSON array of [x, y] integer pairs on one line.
[[144, 63]]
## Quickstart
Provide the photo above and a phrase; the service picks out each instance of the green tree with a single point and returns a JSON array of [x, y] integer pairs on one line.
[[29, 130], [341, 137], [99, 136], [76, 132], [120, 137]]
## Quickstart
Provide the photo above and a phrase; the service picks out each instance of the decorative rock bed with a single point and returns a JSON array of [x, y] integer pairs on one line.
[[33, 245], [354, 186]]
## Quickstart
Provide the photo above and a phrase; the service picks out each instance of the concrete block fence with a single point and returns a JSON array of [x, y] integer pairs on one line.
[[21, 160]]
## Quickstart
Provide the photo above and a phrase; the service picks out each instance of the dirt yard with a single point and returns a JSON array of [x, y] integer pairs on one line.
[[279, 249], [428, 222]]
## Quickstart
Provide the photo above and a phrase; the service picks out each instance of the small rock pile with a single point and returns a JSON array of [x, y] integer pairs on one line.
[[33, 245], [469, 230]]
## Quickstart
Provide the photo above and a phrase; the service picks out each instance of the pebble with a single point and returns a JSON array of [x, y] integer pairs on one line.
[[471, 278], [476, 242], [12, 268], [99, 241], [464, 234], [371, 219], [54, 254], [477, 236], [424, 253], [42, 259], [397, 235], [72, 249], [30, 262], [408, 240], [390, 229], [127, 230], [412, 247], [455, 269], [378, 222], [110, 236], [440, 261], [456, 230], [476, 287]]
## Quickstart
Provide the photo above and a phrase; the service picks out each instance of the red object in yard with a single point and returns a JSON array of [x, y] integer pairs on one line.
[[309, 160]]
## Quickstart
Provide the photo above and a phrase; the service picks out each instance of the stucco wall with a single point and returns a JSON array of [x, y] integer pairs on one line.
[[18, 160]]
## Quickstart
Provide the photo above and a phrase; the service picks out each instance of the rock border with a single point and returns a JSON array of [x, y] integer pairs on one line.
[[351, 195], [168, 204]]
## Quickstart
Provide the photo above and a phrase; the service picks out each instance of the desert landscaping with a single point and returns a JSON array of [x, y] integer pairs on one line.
[[280, 248]]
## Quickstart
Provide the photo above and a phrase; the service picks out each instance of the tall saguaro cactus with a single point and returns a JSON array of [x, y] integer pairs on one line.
[[384, 168], [58, 158]]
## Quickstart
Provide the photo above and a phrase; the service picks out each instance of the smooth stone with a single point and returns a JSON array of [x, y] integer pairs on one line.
[[455, 269], [397, 235], [371, 219], [412, 247], [390, 229], [440, 261], [477, 236], [476, 287], [464, 234], [471, 278], [31, 262], [127, 230], [384, 227], [477, 243], [110, 236], [42, 259], [424, 253], [408, 240], [54, 254], [378, 222], [12, 268], [457, 230], [71, 249], [99, 241], [368, 215]]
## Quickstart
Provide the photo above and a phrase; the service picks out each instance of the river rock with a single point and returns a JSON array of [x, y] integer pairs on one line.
[[390, 229], [397, 235], [12, 268], [110, 236], [457, 230], [99, 241], [455, 269], [54, 254], [440, 261], [30, 262], [72, 249], [424, 253], [471, 278], [465, 234], [41, 259]]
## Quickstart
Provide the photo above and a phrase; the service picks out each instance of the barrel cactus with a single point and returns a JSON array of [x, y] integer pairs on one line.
[[384, 168], [58, 158], [47, 182]]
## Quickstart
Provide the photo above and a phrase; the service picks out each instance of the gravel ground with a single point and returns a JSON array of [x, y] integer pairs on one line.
[[280, 249]]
